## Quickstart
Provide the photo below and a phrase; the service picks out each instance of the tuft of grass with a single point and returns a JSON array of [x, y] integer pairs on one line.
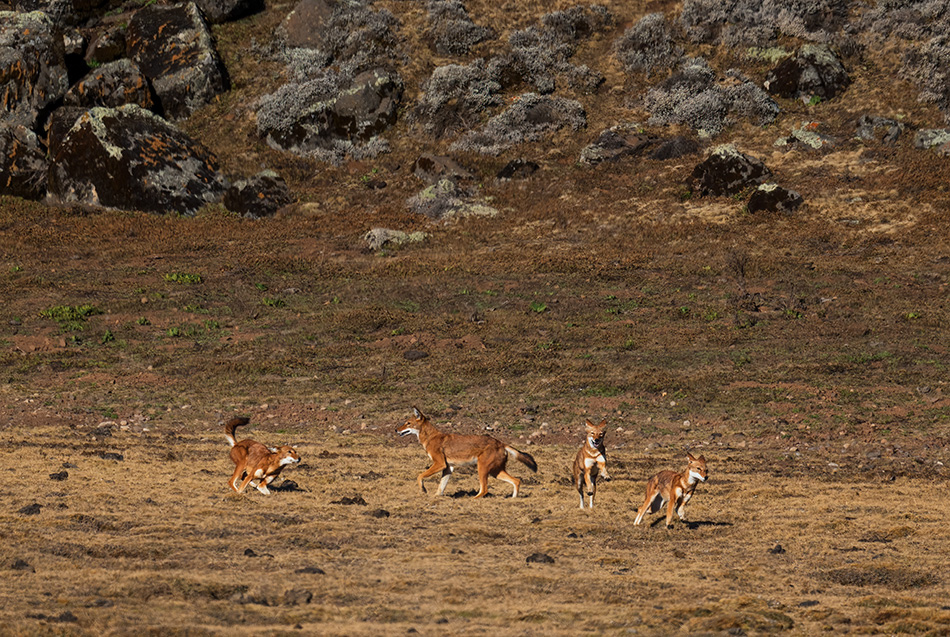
[[183, 278], [70, 317], [272, 301]]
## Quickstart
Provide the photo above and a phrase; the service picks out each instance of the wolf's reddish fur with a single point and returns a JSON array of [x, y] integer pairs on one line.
[[258, 463], [673, 489], [448, 451], [591, 455]]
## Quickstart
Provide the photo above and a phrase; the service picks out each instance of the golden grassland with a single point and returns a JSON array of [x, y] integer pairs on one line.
[[156, 543]]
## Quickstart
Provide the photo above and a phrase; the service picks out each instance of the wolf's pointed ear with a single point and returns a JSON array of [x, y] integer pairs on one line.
[[603, 423], [272, 449], [690, 456], [416, 412], [588, 423], [702, 458]]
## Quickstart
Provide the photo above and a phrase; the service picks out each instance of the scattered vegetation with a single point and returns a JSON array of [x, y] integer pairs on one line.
[[70, 317], [183, 278]]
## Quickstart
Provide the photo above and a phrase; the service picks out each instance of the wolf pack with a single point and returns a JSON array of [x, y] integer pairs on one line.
[[258, 465]]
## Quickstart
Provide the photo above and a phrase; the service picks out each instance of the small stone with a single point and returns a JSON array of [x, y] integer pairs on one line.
[[539, 558]]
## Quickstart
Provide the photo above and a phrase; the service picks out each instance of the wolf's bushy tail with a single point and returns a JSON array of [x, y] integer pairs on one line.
[[523, 457], [231, 425]]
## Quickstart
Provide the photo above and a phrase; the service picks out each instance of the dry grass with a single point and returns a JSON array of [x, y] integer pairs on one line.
[[155, 541]]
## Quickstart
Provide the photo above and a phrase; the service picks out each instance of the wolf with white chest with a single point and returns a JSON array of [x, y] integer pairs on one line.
[[448, 451], [591, 461], [259, 464], [673, 490]]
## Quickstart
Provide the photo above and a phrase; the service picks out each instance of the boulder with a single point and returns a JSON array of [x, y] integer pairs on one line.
[[341, 32], [726, 172], [617, 142], [319, 118], [774, 198], [674, 148], [814, 71], [259, 196], [107, 47], [868, 128], [22, 162], [517, 169], [33, 70], [937, 139], [807, 137], [174, 48], [113, 85], [65, 13], [219, 11], [379, 238], [131, 159], [446, 200]]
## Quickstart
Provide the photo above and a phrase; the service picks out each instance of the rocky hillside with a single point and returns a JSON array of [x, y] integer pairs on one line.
[[168, 108]]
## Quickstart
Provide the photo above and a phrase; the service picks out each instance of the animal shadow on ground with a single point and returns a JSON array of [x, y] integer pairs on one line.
[[467, 493], [287, 485], [691, 525]]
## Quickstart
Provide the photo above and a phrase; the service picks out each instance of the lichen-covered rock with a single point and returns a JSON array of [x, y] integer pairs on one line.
[[65, 13], [323, 119], [113, 85], [22, 163], [937, 139], [446, 200], [343, 33], [529, 119], [808, 137], [108, 46], [219, 11], [259, 196], [174, 48], [814, 71], [774, 198], [626, 140], [726, 172], [130, 159], [868, 127], [379, 238], [33, 74]]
